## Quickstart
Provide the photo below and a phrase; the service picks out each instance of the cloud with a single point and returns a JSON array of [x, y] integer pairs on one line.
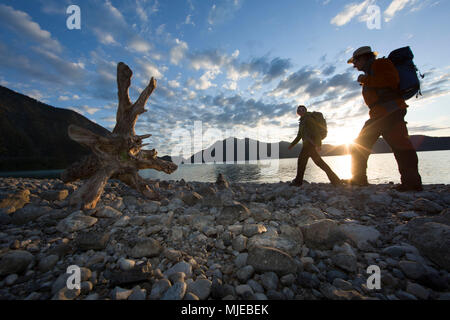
[[173, 84], [223, 11], [394, 7], [350, 11], [139, 45], [22, 24], [104, 37], [178, 52]]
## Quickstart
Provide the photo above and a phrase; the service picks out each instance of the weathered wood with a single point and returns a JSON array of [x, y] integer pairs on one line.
[[118, 155]]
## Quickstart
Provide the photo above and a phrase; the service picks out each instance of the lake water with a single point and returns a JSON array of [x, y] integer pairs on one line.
[[434, 167]]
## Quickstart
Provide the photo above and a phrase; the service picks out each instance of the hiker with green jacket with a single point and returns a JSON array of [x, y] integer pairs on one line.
[[312, 131]]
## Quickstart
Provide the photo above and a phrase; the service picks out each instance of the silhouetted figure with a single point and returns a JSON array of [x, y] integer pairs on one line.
[[311, 131], [387, 111]]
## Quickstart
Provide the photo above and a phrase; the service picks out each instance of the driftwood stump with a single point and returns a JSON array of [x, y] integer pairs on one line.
[[119, 155]]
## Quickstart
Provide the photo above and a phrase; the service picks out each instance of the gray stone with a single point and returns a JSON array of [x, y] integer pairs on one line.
[[159, 288], [245, 273], [287, 280], [191, 297], [417, 290], [411, 269], [272, 240], [239, 243], [250, 230], [175, 292], [427, 206], [201, 288], [402, 295], [138, 273], [257, 288], [308, 280], [233, 213], [344, 257], [120, 293], [150, 207], [54, 195], [307, 215], [358, 234], [68, 294], [270, 259], [48, 262], [191, 198], [146, 248], [181, 266], [75, 222], [16, 261], [126, 264], [241, 260], [9, 280], [108, 212], [342, 284], [243, 288], [217, 289], [269, 280], [138, 294], [321, 234], [92, 240], [29, 213], [177, 277], [433, 241]]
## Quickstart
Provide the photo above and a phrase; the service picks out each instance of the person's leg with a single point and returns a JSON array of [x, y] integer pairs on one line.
[[302, 161], [361, 148], [334, 179], [405, 154]]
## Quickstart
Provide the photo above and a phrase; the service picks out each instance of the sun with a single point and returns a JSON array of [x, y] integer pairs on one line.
[[343, 135]]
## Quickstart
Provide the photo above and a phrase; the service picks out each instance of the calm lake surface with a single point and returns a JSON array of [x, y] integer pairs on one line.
[[434, 167]]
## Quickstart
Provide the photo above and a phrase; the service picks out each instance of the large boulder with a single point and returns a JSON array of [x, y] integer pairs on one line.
[[233, 213], [431, 235], [16, 261], [13, 202], [265, 259], [359, 235], [321, 234], [75, 222]]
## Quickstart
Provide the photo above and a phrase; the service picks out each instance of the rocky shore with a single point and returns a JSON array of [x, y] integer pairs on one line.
[[224, 241]]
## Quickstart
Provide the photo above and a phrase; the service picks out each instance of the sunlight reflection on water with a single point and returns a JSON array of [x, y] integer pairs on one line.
[[382, 168]]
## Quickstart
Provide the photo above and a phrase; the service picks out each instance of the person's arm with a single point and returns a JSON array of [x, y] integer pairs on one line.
[[299, 135], [384, 75]]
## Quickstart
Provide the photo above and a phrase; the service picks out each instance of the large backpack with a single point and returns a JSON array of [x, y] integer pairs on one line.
[[320, 124], [409, 85]]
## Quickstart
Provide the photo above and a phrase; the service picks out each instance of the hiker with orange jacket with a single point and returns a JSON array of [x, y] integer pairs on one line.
[[387, 110]]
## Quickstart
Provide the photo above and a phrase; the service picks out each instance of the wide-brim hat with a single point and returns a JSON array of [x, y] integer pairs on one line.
[[360, 51]]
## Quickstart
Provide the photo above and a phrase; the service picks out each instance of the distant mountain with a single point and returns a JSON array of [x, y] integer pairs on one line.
[[33, 135], [420, 143]]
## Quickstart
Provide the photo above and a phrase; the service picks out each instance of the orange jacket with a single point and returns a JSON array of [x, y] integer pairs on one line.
[[380, 88]]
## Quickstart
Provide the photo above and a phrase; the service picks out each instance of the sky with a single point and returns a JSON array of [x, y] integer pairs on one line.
[[224, 68]]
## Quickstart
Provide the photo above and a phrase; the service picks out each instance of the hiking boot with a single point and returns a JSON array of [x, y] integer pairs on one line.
[[406, 188], [296, 183]]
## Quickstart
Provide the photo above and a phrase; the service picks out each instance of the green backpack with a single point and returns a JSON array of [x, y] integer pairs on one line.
[[320, 124]]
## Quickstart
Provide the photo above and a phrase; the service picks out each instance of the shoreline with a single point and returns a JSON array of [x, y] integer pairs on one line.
[[226, 241]]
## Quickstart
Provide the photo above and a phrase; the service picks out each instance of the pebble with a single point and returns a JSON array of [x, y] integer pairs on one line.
[[247, 241], [175, 292]]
